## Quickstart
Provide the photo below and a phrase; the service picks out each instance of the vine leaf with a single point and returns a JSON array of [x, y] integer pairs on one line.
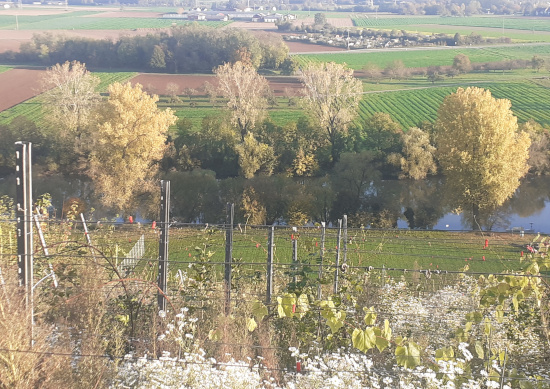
[[259, 310], [444, 353], [479, 350], [251, 324], [370, 316], [408, 356]]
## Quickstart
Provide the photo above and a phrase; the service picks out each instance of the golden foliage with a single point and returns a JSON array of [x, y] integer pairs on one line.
[[418, 155], [128, 139], [479, 148]]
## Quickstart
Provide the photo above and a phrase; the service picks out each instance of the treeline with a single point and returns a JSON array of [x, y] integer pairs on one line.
[[405, 38], [184, 49]]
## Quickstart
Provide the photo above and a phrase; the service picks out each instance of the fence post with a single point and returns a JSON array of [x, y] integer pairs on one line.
[[294, 257], [88, 238], [163, 242], [345, 226], [337, 260], [23, 201], [228, 255], [321, 255], [270, 243]]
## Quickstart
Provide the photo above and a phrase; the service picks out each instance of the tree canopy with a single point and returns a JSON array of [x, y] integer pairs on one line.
[[479, 148], [331, 99], [128, 139]]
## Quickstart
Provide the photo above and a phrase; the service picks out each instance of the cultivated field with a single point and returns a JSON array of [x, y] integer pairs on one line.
[[17, 85]]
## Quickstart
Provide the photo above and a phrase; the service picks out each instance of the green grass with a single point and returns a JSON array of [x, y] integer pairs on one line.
[[4, 68], [378, 248], [77, 21], [427, 57]]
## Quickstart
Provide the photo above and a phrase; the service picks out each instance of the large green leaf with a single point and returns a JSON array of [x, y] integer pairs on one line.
[[259, 310]]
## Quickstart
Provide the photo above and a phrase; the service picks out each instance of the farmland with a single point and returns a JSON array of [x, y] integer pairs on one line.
[[421, 57], [417, 22], [79, 20], [31, 107], [411, 107]]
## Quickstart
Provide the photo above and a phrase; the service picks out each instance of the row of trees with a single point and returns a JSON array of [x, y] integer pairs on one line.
[[123, 143], [185, 49]]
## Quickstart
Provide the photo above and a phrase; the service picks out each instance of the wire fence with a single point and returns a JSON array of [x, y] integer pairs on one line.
[[266, 262]]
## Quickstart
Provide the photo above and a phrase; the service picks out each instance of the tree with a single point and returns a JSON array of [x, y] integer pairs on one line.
[[396, 69], [129, 137], [245, 91], [173, 90], [434, 74], [382, 133], [461, 62], [372, 71], [158, 59], [539, 152], [537, 62], [255, 156], [319, 19], [417, 159], [70, 96], [479, 148], [331, 99], [69, 101]]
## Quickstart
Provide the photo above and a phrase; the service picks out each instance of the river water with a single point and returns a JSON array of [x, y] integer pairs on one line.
[[414, 204]]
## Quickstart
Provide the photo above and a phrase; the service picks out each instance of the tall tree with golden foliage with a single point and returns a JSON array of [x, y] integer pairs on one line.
[[331, 99], [479, 147], [127, 141]]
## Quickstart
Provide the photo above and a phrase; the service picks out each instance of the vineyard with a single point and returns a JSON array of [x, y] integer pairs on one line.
[[426, 57], [412, 107], [304, 307]]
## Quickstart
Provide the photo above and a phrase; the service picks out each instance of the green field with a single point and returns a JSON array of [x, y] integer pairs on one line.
[[366, 247], [280, 114], [78, 20], [423, 57], [530, 100], [4, 68], [415, 22]]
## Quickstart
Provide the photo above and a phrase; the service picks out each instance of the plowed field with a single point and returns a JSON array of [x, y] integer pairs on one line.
[[157, 83], [18, 85]]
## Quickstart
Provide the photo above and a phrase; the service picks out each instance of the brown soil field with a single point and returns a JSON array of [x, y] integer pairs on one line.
[[156, 83], [18, 85]]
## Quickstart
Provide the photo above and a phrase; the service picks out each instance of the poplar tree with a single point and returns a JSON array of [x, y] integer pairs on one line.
[[331, 99], [480, 150], [127, 142]]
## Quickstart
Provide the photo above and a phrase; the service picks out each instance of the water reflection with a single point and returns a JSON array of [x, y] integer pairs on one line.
[[397, 203]]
